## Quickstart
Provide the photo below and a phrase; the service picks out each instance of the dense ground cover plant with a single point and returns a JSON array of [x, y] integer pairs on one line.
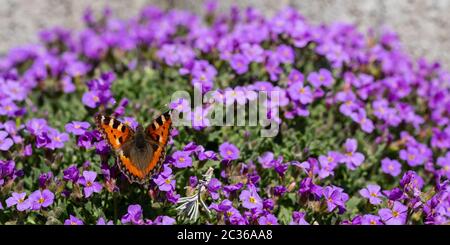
[[364, 128]]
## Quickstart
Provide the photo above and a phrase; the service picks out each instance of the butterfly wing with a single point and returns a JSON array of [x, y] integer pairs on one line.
[[114, 132], [119, 137], [159, 131]]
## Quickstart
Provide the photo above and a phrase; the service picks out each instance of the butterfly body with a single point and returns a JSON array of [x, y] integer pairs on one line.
[[139, 153]]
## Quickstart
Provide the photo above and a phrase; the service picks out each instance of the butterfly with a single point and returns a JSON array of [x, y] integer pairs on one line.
[[139, 153]]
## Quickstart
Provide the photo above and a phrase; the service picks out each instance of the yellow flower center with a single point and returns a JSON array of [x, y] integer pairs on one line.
[[330, 159], [373, 194], [373, 222], [411, 157], [89, 184], [21, 200], [395, 214], [321, 78], [252, 200], [96, 99], [301, 90], [181, 159], [8, 108], [77, 126], [41, 200], [167, 181], [229, 152]]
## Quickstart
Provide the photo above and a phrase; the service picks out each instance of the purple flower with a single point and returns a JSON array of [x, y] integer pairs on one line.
[[164, 220], [57, 139], [77, 128], [88, 181], [394, 194], [395, 215], [45, 179], [335, 197], [36, 126], [18, 199], [193, 181], [298, 218], [307, 187], [370, 219], [285, 54], [8, 108], [229, 151], [266, 159], [102, 221], [14, 90], [412, 156], [444, 162], [91, 99], [321, 78], [392, 167], [199, 118], [298, 92], [181, 159], [279, 190], [224, 206], [172, 196], [213, 188], [250, 198], [366, 124], [411, 182], [239, 63], [71, 173], [67, 85], [134, 215], [372, 192], [253, 52], [130, 121], [181, 105], [269, 219], [349, 104], [328, 163], [230, 189], [41, 199], [207, 155], [73, 221], [165, 180], [5, 143], [352, 158]]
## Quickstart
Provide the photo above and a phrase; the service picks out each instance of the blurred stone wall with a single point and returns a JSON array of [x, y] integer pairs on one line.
[[423, 25]]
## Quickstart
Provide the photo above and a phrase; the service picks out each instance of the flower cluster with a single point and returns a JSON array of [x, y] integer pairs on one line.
[[364, 129]]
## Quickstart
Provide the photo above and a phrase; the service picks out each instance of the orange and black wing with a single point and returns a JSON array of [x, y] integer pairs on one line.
[[114, 132], [159, 131]]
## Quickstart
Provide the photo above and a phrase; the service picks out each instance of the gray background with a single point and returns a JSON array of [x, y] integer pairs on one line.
[[423, 25]]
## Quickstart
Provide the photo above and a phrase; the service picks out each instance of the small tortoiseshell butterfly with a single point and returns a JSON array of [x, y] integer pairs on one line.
[[139, 153]]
